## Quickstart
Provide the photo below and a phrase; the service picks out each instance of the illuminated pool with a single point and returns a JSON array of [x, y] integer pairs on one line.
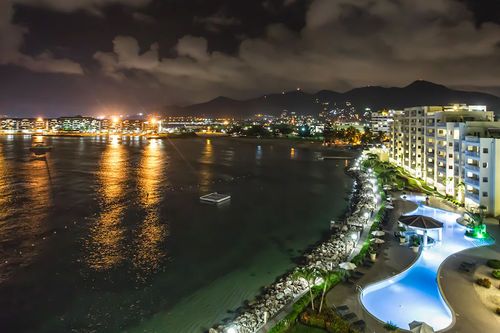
[[414, 294]]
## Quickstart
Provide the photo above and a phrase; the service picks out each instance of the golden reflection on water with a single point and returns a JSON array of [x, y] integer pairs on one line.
[[151, 180], [107, 234], [292, 153], [38, 139], [5, 207], [206, 160], [33, 192]]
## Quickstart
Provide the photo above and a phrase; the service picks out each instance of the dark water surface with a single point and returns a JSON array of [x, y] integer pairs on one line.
[[108, 234]]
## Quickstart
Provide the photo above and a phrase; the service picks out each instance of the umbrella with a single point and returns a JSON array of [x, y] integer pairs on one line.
[[348, 266], [420, 327], [420, 221], [378, 233], [389, 207], [378, 241]]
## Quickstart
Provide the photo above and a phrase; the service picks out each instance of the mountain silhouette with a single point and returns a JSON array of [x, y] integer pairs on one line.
[[374, 97]]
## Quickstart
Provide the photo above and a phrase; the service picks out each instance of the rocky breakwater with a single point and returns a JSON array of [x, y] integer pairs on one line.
[[326, 256]]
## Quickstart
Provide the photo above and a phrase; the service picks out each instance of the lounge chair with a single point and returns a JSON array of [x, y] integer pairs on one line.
[[342, 308], [367, 263], [358, 274], [349, 316], [467, 266], [359, 325]]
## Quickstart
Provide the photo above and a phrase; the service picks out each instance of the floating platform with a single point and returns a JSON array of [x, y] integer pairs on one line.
[[215, 198]]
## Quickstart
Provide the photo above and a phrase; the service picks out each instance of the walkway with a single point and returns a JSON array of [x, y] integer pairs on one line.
[[471, 314], [392, 259]]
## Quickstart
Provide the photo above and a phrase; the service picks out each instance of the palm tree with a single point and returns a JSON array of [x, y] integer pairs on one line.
[[461, 190], [310, 276], [325, 274]]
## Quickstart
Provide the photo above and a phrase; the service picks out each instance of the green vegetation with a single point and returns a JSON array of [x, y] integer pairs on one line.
[[390, 326], [484, 282], [328, 320], [493, 263], [302, 304], [415, 241], [496, 273]]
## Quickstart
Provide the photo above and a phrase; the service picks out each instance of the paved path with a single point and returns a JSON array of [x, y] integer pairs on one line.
[[471, 314], [392, 259]]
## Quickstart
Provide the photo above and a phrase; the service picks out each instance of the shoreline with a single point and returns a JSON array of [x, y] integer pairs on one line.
[[326, 254], [349, 152]]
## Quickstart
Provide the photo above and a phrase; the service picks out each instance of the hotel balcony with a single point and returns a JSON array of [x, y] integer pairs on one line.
[[472, 182], [472, 140], [441, 146], [474, 196], [472, 167], [472, 154]]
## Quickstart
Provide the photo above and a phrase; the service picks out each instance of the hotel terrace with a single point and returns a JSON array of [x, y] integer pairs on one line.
[[452, 149]]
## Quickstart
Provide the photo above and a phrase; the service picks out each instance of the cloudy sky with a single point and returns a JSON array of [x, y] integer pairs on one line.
[[100, 56]]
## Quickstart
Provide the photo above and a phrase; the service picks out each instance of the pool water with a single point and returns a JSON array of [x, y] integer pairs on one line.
[[414, 294]]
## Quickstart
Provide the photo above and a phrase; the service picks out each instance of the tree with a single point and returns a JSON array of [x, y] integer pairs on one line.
[[282, 129], [325, 274], [461, 191], [309, 276], [351, 135], [367, 136]]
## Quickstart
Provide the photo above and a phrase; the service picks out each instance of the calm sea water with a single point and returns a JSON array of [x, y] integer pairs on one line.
[[108, 234]]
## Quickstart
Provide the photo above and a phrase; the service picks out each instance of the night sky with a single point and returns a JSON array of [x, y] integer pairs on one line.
[[106, 56]]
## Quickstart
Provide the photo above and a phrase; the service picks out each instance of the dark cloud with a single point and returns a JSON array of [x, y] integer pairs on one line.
[[67, 6], [190, 51], [217, 21], [11, 42], [363, 42]]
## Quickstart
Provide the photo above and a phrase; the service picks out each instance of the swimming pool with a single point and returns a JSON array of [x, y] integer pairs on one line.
[[414, 294]]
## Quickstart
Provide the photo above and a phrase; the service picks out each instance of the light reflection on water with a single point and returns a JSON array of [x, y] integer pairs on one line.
[[33, 194], [107, 233], [151, 180], [207, 159], [135, 246]]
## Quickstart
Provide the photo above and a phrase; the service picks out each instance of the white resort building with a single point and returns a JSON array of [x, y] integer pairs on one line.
[[452, 149], [382, 121]]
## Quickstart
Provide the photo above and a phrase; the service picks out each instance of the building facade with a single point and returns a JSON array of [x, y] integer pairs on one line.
[[441, 146], [383, 120]]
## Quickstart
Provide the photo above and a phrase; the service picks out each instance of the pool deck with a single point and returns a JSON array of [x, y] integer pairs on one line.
[[471, 314], [392, 258]]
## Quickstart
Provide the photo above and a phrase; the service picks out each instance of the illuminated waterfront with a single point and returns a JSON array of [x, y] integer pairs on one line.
[[108, 234]]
